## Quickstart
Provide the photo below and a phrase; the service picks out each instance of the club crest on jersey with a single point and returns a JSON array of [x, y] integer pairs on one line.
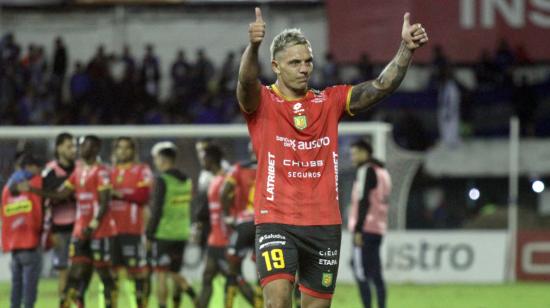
[[300, 122], [327, 280]]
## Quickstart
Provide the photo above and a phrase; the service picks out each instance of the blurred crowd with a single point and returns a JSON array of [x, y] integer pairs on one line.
[[38, 87]]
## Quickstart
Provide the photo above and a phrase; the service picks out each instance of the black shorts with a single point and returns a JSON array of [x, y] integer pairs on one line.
[[167, 255], [312, 252], [218, 255], [96, 251], [60, 258], [129, 252], [241, 239]]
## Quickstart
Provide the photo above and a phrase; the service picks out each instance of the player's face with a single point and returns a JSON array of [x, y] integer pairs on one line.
[[158, 162], [199, 147], [293, 67], [124, 152], [88, 149], [67, 150], [34, 169], [358, 156]]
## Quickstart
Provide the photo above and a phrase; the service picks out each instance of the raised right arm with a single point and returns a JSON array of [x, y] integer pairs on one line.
[[249, 86]]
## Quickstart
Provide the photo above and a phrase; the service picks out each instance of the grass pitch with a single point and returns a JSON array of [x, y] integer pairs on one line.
[[524, 295]]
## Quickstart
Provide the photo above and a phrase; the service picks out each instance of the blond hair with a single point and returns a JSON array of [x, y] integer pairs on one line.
[[287, 38]]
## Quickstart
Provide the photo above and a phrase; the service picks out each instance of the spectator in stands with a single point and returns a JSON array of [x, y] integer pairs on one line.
[[203, 71], [330, 71], [59, 70], [150, 75], [80, 87], [129, 62], [439, 62], [525, 104], [485, 71], [504, 56], [228, 74], [448, 112], [181, 77]]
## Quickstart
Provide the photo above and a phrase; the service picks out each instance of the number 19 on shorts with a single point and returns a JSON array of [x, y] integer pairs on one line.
[[274, 259]]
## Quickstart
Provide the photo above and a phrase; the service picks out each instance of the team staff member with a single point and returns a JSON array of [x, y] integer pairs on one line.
[[237, 199], [219, 234], [63, 212], [368, 220], [22, 222], [131, 188], [294, 131], [168, 228]]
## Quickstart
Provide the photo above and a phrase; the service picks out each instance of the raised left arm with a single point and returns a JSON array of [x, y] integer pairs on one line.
[[368, 93]]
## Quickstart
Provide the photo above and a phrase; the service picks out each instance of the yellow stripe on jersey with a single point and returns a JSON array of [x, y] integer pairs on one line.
[[104, 187], [144, 184], [281, 95], [348, 100], [68, 185]]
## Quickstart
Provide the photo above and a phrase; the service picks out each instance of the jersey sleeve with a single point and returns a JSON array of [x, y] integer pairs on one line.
[[145, 177], [233, 175], [71, 181], [259, 112], [340, 96]]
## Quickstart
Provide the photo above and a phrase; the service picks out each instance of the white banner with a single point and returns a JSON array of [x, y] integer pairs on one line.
[[444, 256]]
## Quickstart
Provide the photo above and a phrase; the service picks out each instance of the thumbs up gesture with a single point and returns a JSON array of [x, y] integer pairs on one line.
[[256, 29], [414, 36]]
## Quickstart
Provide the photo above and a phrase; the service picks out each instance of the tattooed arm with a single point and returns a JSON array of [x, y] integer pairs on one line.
[[368, 93]]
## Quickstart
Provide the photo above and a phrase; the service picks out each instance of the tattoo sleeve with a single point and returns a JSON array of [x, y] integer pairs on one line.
[[368, 93]]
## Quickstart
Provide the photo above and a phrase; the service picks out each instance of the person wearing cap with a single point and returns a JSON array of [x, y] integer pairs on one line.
[[22, 224], [168, 228]]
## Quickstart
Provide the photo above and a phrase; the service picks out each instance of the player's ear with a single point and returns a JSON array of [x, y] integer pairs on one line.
[[275, 67]]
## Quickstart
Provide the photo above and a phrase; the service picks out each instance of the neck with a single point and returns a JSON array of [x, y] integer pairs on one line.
[[89, 161], [289, 93], [64, 162]]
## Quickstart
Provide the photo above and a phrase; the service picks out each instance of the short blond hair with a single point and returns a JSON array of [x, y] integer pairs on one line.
[[287, 38]]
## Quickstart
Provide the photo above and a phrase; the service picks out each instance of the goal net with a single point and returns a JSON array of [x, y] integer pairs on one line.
[[234, 140]]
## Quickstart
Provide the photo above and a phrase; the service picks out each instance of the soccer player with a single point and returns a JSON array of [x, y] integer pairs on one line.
[[131, 188], [21, 215], [168, 227], [63, 212], [368, 219], [219, 234], [294, 130], [237, 198], [90, 246]]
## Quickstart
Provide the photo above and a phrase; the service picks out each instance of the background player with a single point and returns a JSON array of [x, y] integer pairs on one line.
[[131, 188], [368, 219], [237, 199], [294, 132], [22, 224], [219, 234], [63, 212], [168, 228], [91, 238]]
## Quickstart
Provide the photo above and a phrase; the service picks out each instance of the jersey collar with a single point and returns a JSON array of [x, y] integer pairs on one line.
[[281, 95]]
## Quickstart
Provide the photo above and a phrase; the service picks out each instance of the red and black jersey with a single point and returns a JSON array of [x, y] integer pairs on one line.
[[22, 218], [87, 182], [243, 176], [133, 181], [219, 232], [296, 144]]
